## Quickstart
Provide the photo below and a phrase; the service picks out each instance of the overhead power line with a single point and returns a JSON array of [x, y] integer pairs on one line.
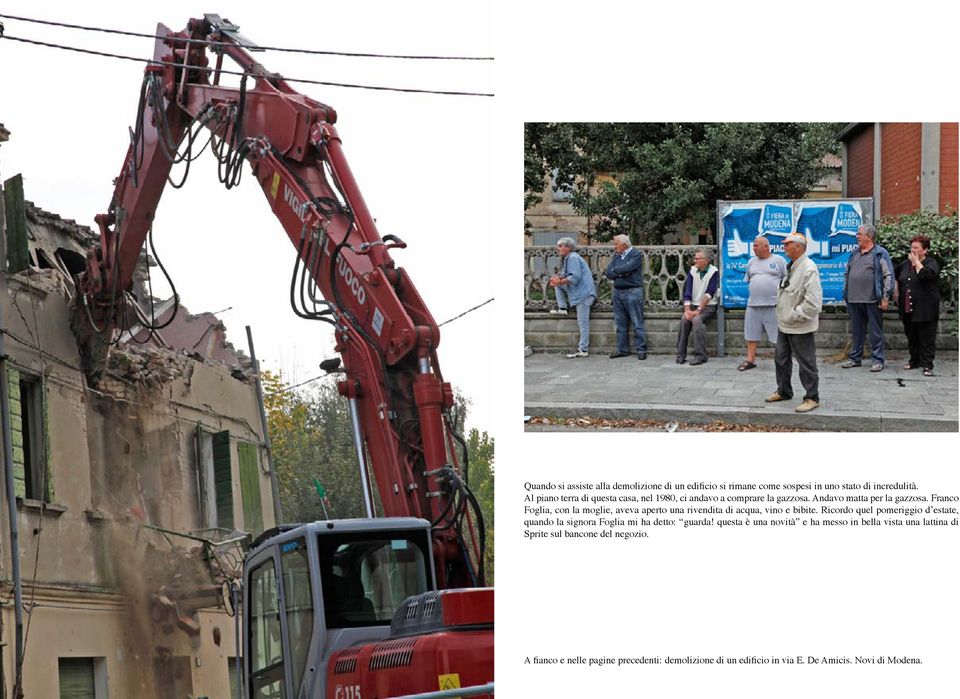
[[306, 81], [469, 310], [350, 54], [323, 376]]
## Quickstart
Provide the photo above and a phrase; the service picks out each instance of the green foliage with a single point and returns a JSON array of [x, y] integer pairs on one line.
[[480, 448], [311, 437], [662, 176], [895, 232]]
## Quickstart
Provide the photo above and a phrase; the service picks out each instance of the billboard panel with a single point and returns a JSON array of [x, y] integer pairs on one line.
[[830, 226]]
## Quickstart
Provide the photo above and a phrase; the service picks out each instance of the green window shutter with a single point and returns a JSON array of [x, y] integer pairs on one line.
[[76, 678], [222, 479], [18, 255], [16, 430], [250, 487]]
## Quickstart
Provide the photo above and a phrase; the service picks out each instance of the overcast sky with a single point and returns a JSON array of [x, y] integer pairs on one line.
[[423, 162]]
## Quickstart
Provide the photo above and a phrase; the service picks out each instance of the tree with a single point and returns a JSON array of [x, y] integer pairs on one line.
[[311, 436], [644, 179], [312, 440], [480, 450]]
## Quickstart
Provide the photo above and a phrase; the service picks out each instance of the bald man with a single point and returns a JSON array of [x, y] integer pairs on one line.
[[764, 272]]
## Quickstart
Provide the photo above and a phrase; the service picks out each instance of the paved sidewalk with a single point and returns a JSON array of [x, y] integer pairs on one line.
[[893, 400]]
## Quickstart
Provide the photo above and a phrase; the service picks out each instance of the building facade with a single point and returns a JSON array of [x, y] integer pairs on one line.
[[134, 497], [903, 166]]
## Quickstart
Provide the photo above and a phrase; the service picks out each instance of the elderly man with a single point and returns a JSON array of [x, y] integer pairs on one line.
[[764, 272], [626, 272], [574, 286], [867, 290], [699, 308], [799, 301]]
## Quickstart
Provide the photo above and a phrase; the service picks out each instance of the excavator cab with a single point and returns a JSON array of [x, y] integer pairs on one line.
[[314, 589]]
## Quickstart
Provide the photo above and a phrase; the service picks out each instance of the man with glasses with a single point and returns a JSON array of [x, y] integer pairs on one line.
[[699, 308], [799, 301], [573, 284]]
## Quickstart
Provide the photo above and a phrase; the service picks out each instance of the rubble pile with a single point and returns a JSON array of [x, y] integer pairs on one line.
[[49, 281], [145, 366]]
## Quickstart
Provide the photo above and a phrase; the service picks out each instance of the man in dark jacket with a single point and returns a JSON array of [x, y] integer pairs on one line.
[[626, 272], [867, 290]]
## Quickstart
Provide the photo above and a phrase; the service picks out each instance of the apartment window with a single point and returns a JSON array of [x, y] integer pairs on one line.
[[214, 478], [83, 678], [551, 238], [216, 481], [29, 431], [232, 675], [172, 677], [559, 194]]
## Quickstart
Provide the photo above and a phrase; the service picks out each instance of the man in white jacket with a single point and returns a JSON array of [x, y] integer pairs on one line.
[[799, 301]]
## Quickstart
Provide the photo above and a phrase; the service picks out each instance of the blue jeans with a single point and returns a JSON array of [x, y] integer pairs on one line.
[[628, 310], [862, 315], [583, 316]]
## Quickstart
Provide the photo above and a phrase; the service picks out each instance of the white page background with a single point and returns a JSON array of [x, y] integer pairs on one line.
[[772, 592]]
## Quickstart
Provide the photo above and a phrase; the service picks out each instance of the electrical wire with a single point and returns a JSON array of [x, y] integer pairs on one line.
[[223, 71], [350, 54], [469, 310]]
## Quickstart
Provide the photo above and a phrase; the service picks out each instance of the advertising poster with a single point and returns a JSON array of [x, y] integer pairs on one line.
[[830, 227]]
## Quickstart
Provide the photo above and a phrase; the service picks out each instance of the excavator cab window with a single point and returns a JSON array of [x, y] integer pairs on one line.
[[365, 576], [298, 602], [266, 649]]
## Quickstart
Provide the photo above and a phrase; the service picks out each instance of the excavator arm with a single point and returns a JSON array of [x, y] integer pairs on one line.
[[384, 333]]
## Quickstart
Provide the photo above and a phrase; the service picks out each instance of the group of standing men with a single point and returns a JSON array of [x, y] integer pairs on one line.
[[785, 301]]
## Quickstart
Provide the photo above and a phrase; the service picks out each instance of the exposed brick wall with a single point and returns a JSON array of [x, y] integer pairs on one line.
[[860, 164], [949, 157], [899, 168]]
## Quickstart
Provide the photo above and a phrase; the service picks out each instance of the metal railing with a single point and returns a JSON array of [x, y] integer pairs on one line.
[[473, 691], [665, 270]]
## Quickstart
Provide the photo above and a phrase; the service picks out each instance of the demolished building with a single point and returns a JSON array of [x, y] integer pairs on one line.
[[134, 497]]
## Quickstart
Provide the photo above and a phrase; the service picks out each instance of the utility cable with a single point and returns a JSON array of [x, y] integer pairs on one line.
[[285, 389], [469, 310], [223, 71], [350, 54]]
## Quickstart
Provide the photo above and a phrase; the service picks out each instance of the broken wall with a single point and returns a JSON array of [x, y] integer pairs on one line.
[[119, 459]]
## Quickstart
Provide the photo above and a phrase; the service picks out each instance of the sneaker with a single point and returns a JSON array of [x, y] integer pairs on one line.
[[849, 364], [876, 367], [617, 355], [774, 398], [558, 311], [806, 406], [576, 355]]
